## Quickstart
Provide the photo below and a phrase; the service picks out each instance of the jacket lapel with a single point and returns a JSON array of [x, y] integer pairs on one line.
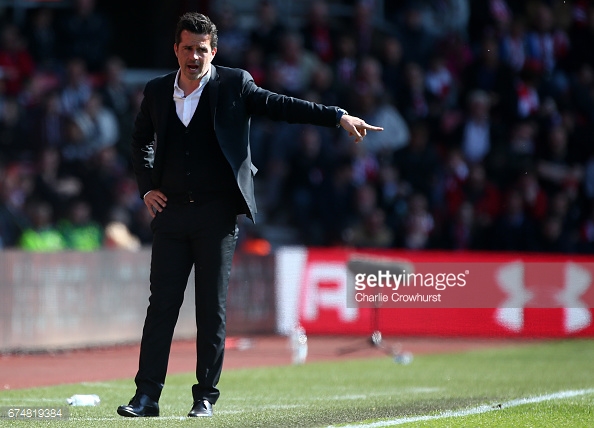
[[213, 92], [166, 93]]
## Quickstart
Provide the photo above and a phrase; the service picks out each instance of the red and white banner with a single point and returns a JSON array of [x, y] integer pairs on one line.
[[533, 295]]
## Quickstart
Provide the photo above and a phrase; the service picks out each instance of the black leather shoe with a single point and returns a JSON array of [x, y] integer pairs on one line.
[[141, 405], [201, 408]]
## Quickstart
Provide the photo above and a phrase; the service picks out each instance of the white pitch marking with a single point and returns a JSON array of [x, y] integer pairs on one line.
[[474, 410], [119, 418]]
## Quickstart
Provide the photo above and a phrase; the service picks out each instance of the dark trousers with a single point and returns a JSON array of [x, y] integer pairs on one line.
[[203, 235]]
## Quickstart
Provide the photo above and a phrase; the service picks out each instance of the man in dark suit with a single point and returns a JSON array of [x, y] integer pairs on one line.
[[191, 157]]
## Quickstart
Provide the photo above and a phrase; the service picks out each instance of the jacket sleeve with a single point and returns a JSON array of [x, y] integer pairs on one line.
[[283, 108], [144, 144]]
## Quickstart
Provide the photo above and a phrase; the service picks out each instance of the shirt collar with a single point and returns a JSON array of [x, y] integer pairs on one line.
[[179, 93]]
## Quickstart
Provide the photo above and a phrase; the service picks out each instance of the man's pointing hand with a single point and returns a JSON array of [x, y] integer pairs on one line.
[[357, 127]]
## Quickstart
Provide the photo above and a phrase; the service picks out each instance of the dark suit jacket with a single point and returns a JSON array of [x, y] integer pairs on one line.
[[234, 97]]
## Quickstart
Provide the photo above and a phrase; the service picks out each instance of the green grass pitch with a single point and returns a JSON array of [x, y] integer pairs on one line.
[[481, 388]]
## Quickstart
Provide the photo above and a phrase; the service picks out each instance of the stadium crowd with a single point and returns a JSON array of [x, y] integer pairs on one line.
[[488, 110]]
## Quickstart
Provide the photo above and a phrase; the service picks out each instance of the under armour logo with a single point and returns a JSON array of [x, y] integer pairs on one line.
[[576, 281]]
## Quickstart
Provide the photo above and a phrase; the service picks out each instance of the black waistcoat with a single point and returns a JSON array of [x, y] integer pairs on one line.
[[194, 162]]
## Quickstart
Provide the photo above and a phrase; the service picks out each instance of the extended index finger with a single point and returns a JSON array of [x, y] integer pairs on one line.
[[372, 128]]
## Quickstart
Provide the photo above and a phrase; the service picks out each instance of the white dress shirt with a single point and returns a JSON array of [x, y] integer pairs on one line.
[[185, 106]]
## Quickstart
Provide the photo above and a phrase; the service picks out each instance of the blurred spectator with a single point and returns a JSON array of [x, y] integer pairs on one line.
[[547, 44], [490, 17], [488, 73], [457, 54], [345, 65], [118, 236], [581, 35], [52, 185], [558, 167], [16, 63], [117, 98], [586, 232], [477, 135], [35, 89], [319, 34], [552, 237], [589, 176], [15, 189], [79, 230], [462, 233], [534, 197], [481, 193], [417, 42], [372, 108], [15, 143], [86, 34], [104, 171], [418, 224], [48, 124], [447, 17], [455, 173], [419, 162], [415, 101], [366, 166], [254, 63], [141, 225], [98, 124], [295, 65], [268, 31], [568, 214], [514, 45], [528, 98], [440, 82], [514, 230], [322, 83], [392, 196], [77, 88], [75, 151], [582, 91], [307, 184], [341, 202], [365, 201], [42, 235], [392, 67], [368, 77], [233, 40], [125, 201], [42, 39], [367, 35], [372, 231], [522, 145]]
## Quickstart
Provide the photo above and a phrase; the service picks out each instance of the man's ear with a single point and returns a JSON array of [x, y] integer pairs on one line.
[[214, 52], [175, 49]]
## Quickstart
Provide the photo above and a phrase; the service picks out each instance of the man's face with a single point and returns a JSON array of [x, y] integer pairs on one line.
[[194, 55]]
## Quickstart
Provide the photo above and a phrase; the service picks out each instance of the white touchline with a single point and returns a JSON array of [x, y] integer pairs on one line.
[[475, 410]]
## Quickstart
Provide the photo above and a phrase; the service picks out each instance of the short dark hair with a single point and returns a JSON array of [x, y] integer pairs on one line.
[[196, 23]]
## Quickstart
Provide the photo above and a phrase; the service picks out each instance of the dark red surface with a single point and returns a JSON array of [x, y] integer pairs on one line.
[[120, 362]]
